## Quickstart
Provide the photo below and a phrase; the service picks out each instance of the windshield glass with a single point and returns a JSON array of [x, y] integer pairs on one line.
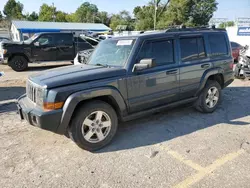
[[31, 39], [112, 52]]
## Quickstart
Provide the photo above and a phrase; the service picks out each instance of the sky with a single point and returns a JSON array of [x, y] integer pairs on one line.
[[230, 9]]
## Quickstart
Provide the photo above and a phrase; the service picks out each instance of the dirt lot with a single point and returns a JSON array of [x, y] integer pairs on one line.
[[176, 148]]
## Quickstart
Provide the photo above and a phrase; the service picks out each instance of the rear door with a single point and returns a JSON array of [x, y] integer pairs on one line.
[[158, 85], [45, 50], [65, 47], [194, 62]]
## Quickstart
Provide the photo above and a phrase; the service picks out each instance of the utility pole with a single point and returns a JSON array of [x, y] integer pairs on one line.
[[155, 1], [53, 16]]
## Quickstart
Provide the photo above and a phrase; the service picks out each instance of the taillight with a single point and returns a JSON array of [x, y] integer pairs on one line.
[[231, 65]]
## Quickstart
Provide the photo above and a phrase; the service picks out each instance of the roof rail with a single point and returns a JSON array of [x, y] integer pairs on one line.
[[200, 28]]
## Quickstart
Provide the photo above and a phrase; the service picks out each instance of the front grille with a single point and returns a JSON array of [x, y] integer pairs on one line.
[[31, 91]]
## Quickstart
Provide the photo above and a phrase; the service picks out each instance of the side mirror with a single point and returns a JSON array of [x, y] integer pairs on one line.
[[37, 44], [144, 64]]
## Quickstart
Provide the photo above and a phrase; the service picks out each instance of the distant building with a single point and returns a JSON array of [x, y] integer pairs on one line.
[[20, 30], [241, 32]]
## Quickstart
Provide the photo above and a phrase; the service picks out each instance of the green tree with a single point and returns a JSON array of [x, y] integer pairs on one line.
[[13, 9], [226, 24], [71, 17], [47, 13], [201, 11], [61, 16], [103, 17], [87, 12], [145, 15], [1, 16], [123, 18], [32, 17]]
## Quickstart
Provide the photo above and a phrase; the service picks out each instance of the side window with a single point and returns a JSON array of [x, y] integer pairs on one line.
[[46, 40], [64, 39], [192, 48], [218, 45], [161, 51]]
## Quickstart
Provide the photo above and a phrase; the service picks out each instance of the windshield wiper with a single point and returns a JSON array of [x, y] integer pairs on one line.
[[98, 64]]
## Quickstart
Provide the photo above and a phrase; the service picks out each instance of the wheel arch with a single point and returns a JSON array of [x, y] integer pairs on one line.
[[109, 95], [18, 54], [211, 74]]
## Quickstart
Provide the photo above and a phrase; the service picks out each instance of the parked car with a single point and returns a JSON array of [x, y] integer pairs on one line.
[[127, 78], [236, 50], [242, 68], [82, 57], [42, 47]]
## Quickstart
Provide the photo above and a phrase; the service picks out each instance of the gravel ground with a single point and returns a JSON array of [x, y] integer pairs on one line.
[[176, 148]]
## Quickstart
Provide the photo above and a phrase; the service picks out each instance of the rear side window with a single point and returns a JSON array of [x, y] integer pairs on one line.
[[218, 45], [64, 39], [162, 51], [192, 48]]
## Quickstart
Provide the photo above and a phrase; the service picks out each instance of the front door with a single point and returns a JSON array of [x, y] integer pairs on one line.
[[158, 85], [44, 48]]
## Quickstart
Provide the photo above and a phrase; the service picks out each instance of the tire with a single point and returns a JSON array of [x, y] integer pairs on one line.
[[201, 104], [81, 133], [18, 63]]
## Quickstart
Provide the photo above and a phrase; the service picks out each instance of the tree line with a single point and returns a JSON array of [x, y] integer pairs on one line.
[[162, 13]]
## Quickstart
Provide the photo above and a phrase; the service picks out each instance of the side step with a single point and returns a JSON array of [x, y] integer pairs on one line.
[[151, 111]]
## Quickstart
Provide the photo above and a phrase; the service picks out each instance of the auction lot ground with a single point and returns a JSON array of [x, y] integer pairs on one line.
[[176, 148]]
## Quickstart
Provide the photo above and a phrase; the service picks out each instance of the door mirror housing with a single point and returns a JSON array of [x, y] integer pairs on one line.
[[37, 43], [144, 64]]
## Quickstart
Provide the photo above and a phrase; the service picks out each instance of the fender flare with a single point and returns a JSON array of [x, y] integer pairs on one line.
[[74, 99], [19, 54], [205, 77]]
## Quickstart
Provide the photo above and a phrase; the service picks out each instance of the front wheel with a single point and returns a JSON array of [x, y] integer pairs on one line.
[[94, 125], [18, 63], [209, 98]]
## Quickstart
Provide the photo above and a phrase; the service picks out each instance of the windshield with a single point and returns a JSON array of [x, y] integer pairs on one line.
[[111, 52], [31, 39]]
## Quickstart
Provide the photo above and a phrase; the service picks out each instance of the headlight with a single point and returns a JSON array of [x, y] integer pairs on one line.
[[39, 96], [4, 51]]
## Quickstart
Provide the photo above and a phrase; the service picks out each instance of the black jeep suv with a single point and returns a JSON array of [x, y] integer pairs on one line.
[[129, 77]]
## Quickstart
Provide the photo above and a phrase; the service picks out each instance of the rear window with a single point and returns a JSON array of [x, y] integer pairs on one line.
[[218, 45], [192, 48], [64, 39]]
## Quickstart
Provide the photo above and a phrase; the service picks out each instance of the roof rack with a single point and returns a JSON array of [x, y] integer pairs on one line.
[[184, 28]]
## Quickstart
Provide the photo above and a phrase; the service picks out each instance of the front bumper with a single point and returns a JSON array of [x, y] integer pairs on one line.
[[35, 116]]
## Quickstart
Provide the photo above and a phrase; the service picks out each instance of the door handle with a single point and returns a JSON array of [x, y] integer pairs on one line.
[[205, 66], [172, 72]]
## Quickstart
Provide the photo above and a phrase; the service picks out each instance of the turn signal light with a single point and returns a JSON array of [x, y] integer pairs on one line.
[[52, 106]]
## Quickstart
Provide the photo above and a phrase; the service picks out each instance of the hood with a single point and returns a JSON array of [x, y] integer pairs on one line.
[[11, 43], [74, 74]]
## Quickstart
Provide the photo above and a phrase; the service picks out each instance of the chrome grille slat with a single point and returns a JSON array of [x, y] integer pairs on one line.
[[31, 91]]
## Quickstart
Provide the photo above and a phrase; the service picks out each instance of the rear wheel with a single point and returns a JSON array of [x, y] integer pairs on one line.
[[93, 126], [18, 63], [209, 98]]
